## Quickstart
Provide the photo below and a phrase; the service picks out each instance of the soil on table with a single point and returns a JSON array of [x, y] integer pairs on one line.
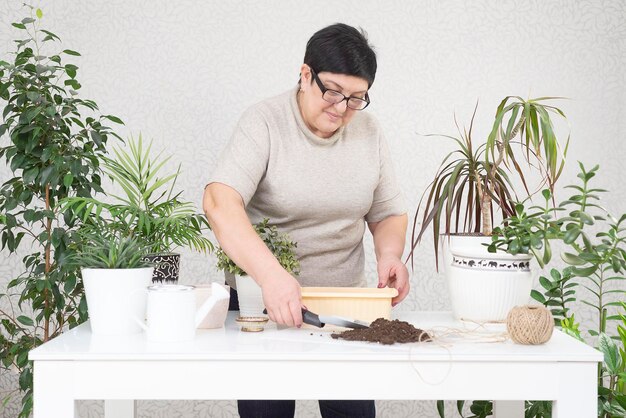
[[384, 331]]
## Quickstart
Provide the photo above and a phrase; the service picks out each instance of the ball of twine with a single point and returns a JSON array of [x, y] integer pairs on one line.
[[530, 324]]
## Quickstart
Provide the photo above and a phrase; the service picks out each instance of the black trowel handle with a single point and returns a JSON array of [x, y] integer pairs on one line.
[[308, 317], [311, 318]]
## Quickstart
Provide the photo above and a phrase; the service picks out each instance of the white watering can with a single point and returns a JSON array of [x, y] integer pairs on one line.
[[171, 312]]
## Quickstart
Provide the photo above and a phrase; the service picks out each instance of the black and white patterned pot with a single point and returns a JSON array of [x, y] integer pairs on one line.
[[485, 263], [485, 286], [166, 267]]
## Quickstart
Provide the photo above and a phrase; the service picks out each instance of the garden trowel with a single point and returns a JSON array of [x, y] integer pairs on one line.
[[319, 321]]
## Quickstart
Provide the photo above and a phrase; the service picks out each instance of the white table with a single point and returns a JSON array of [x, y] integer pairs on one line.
[[307, 364]]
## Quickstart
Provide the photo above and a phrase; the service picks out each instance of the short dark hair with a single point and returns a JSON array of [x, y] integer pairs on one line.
[[341, 49]]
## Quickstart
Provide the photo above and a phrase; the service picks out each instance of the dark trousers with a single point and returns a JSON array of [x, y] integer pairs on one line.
[[286, 409]]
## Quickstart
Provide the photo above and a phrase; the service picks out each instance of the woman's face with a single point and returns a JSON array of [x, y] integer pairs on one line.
[[324, 118]]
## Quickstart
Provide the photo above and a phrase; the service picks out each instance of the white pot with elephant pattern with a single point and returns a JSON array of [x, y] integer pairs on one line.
[[485, 286]]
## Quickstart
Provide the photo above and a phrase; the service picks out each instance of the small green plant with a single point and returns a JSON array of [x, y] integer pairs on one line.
[[279, 244], [102, 250]]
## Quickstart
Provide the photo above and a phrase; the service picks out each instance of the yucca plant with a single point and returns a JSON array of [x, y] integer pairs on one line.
[[473, 182], [149, 209]]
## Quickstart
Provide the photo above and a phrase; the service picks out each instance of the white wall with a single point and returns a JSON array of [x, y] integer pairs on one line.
[[182, 72]]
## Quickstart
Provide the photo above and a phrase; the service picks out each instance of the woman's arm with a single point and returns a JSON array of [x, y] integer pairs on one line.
[[389, 238], [226, 214]]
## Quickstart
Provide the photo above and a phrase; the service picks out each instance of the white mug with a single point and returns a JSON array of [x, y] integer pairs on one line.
[[171, 311]]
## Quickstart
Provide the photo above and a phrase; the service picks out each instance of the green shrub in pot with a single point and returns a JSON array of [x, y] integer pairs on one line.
[[279, 244], [53, 140], [249, 293], [115, 275]]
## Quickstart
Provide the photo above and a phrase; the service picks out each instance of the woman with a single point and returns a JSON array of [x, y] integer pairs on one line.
[[318, 167]]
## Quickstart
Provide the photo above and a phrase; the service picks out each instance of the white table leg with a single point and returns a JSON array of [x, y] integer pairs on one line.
[[508, 409], [53, 390], [115, 408], [578, 391]]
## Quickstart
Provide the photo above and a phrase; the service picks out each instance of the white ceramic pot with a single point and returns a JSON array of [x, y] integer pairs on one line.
[[115, 297], [485, 286], [250, 297]]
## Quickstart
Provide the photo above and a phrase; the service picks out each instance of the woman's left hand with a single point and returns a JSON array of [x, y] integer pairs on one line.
[[392, 272]]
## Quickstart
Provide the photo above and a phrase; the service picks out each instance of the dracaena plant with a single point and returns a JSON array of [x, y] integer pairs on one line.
[[473, 181], [52, 142], [150, 209], [279, 244]]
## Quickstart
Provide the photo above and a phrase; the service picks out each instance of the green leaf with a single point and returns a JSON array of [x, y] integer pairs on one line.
[[30, 175], [39, 13], [537, 296], [572, 259], [545, 283], [70, 52], [70, 69], [25, 320], [67, 180], [585, 218], [584, 271], [612, 358], [114, 119], [571, 235]]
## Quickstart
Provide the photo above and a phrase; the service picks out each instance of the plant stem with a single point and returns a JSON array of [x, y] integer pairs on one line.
[[47, 269], [485, 201]]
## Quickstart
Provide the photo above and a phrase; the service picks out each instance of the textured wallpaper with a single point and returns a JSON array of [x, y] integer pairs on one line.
[[182, 72]]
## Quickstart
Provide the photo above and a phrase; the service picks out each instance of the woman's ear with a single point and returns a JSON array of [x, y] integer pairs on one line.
[[305, 75]]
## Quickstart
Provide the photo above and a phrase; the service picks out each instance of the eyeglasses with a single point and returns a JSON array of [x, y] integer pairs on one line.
[[333, 96]]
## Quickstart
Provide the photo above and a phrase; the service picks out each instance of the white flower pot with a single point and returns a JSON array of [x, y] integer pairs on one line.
[[484, 286], [250, 297], [115, 297]]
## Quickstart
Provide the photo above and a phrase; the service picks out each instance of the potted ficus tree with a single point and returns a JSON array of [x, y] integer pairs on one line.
[[472, 185], [53, 141], [248, 291], [150, 210]]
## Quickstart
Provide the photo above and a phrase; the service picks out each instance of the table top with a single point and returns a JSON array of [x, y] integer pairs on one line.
[[454, 341]]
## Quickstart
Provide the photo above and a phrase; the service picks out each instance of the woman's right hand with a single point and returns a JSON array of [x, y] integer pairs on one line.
[[225, 211], [282, 298]]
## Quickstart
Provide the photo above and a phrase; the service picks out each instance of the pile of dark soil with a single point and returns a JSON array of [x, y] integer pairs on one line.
[[384, 331]]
